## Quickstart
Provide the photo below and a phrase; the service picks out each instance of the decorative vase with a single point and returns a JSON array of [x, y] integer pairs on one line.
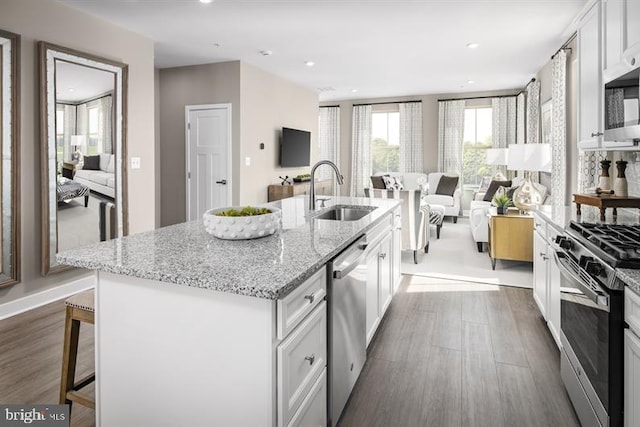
[[242, 227], [620, 188], [604, 182], [527, 196], [501, 210]]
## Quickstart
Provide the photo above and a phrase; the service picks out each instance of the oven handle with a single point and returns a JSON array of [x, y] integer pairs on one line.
[[597, 297]]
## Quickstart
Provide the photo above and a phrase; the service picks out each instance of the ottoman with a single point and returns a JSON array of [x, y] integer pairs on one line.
[[436, 215]]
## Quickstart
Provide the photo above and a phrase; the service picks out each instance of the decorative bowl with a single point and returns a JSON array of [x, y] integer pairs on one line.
[[242, 227]]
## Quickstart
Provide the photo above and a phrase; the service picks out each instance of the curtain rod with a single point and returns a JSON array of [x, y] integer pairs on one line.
[[86, 101], [329, 106], [389, 102], [565, 44], [479, 97]]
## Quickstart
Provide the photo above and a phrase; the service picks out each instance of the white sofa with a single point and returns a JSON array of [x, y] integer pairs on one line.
[[101, 181], [478, 211]]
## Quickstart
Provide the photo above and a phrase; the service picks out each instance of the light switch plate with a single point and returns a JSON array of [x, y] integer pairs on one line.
[[135, 163]]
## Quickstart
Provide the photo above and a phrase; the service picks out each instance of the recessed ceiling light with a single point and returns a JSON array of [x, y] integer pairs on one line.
[[471, 81], [354, 90], [309, 63], [71, 89], [206, 1], [266, 53], [472, 45]]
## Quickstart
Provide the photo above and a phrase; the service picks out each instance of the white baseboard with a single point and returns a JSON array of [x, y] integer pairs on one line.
[[30, 302]]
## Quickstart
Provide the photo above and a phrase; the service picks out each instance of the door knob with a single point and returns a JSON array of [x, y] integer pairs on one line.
[[222, 181], [596, 134]]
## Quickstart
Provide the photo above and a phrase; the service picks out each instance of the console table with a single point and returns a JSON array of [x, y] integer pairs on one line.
[[604, 201], [510, 237], [277, 191]]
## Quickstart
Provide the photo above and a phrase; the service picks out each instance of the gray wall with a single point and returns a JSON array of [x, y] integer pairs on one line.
[[50, 21], [262, 104]]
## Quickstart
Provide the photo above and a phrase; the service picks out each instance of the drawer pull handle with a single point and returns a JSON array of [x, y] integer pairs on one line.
[[310, 359], [311, 298], [383, 256]]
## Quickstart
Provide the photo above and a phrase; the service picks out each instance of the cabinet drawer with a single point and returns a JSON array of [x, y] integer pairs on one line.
[[302, 358], [295, 306], [632, 310], [540, 226], [313, 411]]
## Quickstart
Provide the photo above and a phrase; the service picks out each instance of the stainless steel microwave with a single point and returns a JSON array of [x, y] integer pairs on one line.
[[622, 110]]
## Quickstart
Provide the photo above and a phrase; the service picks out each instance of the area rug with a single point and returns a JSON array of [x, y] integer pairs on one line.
[[455, 257]]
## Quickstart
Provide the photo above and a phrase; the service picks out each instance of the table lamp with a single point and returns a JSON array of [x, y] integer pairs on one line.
[[77, 141], [529, 158], [497, 157]]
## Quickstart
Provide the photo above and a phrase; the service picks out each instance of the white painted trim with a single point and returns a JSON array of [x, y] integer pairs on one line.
[[188, 109], [39, 299]]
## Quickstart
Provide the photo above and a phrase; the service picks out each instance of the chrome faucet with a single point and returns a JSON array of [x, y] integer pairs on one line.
[[312, 189]]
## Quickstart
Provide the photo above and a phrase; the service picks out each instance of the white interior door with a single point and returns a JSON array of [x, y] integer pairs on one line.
[[208, 158]]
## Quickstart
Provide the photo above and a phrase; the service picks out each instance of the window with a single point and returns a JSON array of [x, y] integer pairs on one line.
[[478, 136], [385, 142], [94, 146]]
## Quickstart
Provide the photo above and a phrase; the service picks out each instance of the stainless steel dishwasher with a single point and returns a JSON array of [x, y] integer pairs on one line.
[[346, 296]]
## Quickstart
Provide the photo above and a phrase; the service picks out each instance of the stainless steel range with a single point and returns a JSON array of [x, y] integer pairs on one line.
[[592, 316]]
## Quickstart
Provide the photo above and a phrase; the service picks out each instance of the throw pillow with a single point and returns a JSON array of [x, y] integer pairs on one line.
[[378, 182], [447, 185], [92, 163], [493, 187], [393, 182]]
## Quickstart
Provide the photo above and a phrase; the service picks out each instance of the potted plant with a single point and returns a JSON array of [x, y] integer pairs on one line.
[[503, 202]]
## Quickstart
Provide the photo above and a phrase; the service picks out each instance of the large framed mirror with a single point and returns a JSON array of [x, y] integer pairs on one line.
[[83, 121], [10, 165]]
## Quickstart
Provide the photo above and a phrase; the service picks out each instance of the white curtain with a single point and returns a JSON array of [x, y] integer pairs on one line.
[[69, 114], [559, 129], [361, 149], [533, 112], [504, 121], [106, 119], [411, 137], [329, 142], [520, 119], [450, 136]]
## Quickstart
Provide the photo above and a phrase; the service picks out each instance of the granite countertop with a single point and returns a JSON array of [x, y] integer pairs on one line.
[[269, 267], [630, 277], [559, 216]]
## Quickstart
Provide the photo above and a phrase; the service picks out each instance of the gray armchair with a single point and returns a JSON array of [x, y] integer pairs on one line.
[[414, 218]]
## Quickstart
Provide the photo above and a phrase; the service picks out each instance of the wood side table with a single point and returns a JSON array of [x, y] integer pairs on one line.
[[510, 237], [604, 201]]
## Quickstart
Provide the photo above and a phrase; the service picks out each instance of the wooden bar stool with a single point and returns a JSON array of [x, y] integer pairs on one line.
[[80, 308]]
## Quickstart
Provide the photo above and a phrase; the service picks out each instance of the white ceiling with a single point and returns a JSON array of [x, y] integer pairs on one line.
[[378, 47], [78, 83]]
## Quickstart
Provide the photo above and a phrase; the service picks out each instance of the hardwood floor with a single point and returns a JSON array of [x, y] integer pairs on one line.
[[459, 355], [446, 354], [31, 359]]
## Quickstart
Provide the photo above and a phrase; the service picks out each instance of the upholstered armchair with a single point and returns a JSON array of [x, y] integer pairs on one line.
[[451, 202], [414, 218]]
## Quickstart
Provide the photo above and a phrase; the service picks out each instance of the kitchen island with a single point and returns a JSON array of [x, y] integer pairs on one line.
[[193, 330]]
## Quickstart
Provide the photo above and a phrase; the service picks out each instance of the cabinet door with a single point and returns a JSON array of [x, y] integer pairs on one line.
[[590, 80], [612, 55], [631, 28], [632, 379], [540, 272], [385, 279], [373, 302]]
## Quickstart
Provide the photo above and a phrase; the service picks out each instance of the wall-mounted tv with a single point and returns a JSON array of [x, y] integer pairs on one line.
[[295, 148]]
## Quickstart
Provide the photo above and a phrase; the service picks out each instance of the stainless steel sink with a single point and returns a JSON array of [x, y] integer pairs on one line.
[[345, 213]]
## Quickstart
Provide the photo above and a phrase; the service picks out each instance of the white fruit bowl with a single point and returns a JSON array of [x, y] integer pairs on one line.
[[242, 227]]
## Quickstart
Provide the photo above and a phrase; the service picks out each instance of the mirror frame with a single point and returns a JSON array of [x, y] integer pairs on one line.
[[11, 246], [47, 54]]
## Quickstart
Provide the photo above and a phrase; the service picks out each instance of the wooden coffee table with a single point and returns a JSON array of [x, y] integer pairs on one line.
[[67, 189], [604, 201]]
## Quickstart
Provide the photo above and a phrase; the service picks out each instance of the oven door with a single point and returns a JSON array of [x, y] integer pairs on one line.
[[584, 310]]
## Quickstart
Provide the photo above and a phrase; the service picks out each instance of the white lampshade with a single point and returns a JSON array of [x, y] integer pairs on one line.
[[78, 140], [530, 157], [497, 156]]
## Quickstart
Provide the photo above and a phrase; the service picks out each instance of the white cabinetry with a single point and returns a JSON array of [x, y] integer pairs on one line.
[[590, 87], [632, 359], [379, 279], [621, 32], [396, 274], [546, 276]]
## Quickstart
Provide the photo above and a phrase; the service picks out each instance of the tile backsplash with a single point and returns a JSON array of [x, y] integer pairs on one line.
[[632, 172]]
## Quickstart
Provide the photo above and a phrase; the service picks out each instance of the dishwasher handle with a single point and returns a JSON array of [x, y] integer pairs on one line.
[[345, 269]]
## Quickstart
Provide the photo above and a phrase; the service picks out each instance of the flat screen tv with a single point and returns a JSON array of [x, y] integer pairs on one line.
[[295, 148]]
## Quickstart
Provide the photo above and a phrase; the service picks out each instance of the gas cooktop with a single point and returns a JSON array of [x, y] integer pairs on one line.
[[618, 245]]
